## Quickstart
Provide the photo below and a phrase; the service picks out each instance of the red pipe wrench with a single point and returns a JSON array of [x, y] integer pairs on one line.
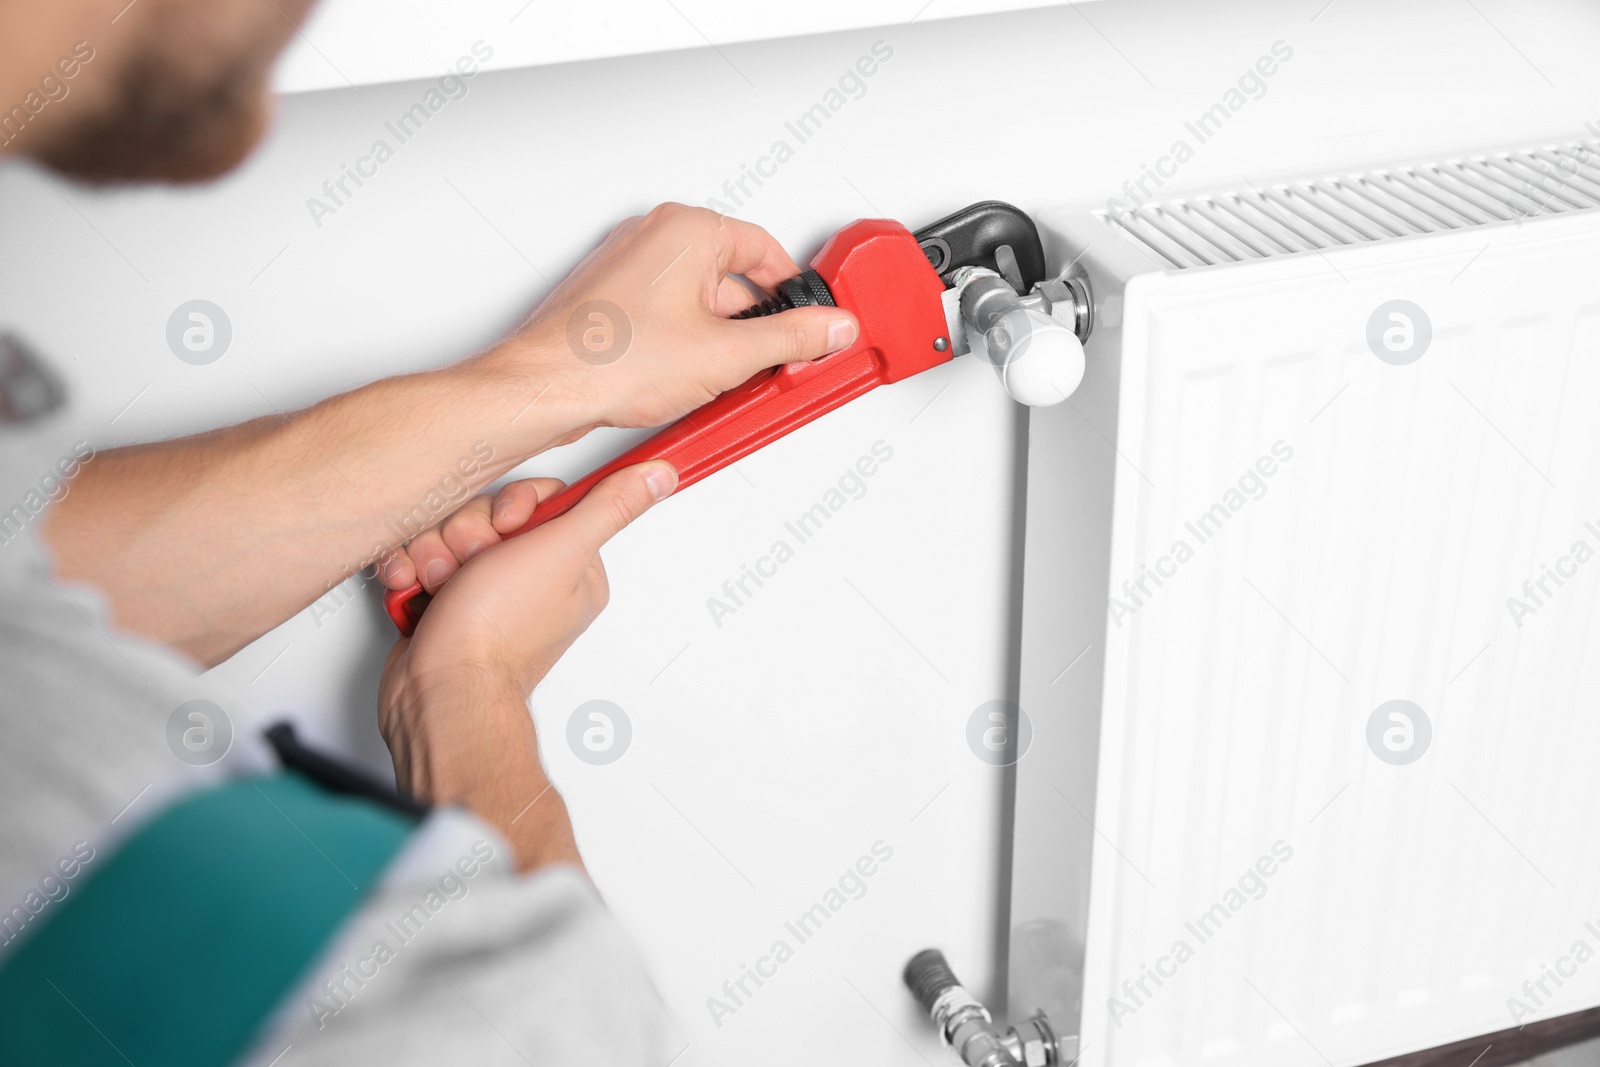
[[892, 280]]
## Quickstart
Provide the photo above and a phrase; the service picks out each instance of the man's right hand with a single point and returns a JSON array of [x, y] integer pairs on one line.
[[640, 332], [453, 702], [431, 557]]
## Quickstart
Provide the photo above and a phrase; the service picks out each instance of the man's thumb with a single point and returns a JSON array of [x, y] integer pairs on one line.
[[793, 335], [619, 499]]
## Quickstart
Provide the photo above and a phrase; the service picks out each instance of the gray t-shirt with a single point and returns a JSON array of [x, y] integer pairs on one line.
[[509, 969]]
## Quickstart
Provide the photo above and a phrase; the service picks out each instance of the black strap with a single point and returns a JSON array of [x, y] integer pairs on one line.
[[334, 776]]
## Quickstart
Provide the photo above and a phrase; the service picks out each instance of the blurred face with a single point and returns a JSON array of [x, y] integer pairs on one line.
[[178, 90]]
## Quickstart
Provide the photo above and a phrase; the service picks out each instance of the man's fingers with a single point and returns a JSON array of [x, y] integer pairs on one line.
[[790, 336], [514, 504], [617, 501], [434, 555], [468, 531], [733, 296], [432, 558], [395, 570], [747, 249]]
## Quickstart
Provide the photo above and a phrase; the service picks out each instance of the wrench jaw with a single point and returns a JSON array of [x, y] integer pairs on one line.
[[405, 607], [989, 234], [876, 269]]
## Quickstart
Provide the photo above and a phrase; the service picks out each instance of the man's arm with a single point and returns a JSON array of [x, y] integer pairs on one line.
[[206, 543]]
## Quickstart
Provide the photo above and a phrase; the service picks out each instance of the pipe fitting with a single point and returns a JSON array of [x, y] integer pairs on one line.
[[966, 1027], [964, 1024]]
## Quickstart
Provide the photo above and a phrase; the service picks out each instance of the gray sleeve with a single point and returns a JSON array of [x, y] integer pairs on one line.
[[444, 967], [85, 713]]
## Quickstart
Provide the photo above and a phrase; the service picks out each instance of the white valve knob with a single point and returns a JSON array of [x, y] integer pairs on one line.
[[1037, 355], [1039, 359]]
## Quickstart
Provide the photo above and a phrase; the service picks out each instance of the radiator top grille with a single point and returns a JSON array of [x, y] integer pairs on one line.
[[1292, 218]]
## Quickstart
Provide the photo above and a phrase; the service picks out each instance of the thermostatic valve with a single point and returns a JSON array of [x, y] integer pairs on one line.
[[1033, 341]]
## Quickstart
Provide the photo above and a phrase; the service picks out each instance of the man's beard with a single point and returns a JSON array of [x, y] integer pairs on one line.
[[163, 128]]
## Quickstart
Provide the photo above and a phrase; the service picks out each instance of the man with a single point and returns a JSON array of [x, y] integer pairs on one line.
[[273, 907]]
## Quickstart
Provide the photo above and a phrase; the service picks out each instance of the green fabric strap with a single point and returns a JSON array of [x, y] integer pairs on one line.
[[174, 952]]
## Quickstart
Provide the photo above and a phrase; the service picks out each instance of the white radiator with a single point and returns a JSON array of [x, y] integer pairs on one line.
[[1337, 447]]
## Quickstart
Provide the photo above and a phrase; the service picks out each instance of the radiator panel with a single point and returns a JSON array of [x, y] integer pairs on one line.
[[1228, 710]]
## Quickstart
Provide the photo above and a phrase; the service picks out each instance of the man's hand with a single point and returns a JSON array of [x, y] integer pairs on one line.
[[197, 548], [642, 327], [434, 555], [453, 701]]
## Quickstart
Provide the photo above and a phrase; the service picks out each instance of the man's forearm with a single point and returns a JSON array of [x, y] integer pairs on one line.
[[207, 542]]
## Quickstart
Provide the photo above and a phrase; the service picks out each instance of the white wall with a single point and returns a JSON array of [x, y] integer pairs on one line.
[[367, 42], [770, 753]]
